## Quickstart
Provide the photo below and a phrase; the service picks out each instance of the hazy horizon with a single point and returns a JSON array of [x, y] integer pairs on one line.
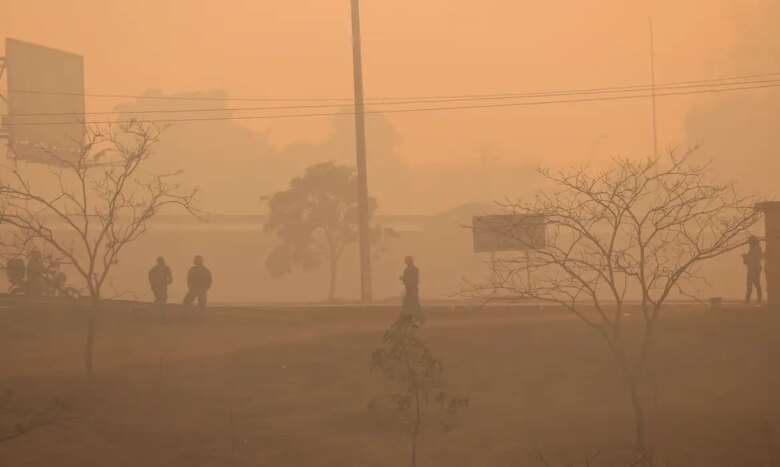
[[301, 50], [226, 293]]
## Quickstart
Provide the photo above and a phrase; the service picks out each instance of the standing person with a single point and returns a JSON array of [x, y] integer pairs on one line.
[[160, 277], [198, 283], [752, 260], [411, 281]]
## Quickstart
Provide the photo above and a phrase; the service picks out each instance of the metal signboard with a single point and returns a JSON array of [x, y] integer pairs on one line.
[[508, 232], [45, 121]]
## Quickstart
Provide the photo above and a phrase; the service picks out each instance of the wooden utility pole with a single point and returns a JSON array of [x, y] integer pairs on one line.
[[360, 146]]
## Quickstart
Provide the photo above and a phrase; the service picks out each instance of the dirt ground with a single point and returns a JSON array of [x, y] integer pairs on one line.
[[240, 387]]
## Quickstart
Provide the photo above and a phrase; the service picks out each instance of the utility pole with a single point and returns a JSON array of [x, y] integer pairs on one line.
[[360, 146], [652, 88]]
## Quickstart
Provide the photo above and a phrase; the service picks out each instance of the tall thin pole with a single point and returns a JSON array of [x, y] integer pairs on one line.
[[652, 87], [360, 146]]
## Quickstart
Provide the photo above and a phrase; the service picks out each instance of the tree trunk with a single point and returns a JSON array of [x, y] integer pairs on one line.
[[644, 374], [89, 348], [632, 382], [333, 273], [640, 418], [414, 450], [417, 424]]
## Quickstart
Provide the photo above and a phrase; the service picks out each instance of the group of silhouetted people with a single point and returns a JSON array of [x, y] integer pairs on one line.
[[36, 278], [198, 283]]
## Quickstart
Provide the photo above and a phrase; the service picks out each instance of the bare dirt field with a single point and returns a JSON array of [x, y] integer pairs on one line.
[[242, 387]]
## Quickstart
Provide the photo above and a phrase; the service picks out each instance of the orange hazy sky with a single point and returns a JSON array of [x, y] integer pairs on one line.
[[301, 49]]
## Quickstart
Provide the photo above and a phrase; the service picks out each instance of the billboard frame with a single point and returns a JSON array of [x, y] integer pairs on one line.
[[499, 232], [56, 95], [511, 224]]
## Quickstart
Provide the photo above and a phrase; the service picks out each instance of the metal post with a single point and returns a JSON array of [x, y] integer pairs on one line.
[[652, 88], [360, 146], [5, 134], [771, 211], [2, 72]]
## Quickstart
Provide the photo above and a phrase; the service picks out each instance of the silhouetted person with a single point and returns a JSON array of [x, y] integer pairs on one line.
[[160, 277], [35, 274], [752, 260], [198, 283], [411, 281]]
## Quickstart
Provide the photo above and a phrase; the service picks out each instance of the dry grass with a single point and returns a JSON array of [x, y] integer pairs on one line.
[[280, 388]]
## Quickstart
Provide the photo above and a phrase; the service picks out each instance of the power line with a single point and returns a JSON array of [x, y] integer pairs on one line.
[[348, 100], [654, 88], [411, 110], [635, 87], [176, 98], [682, 85]]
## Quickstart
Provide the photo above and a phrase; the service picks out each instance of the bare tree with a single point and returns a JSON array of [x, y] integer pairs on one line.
[[631, 235], [102, 201]]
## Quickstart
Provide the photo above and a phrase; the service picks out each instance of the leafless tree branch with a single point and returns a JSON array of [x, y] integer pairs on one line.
[[637, 229]]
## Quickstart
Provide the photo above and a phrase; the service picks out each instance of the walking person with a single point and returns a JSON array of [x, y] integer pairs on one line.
[[411, 281], [160, 277], [752, 260], [198, 284]]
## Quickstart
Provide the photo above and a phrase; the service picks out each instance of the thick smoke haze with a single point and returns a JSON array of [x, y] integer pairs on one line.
[[529, 279], [739, 133], [301, 49]]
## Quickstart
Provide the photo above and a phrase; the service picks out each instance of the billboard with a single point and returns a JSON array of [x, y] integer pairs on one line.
[[508, 232], [45, 102]]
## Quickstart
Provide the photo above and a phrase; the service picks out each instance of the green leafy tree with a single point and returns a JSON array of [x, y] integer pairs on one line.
[[417, 378], [315, 218]]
